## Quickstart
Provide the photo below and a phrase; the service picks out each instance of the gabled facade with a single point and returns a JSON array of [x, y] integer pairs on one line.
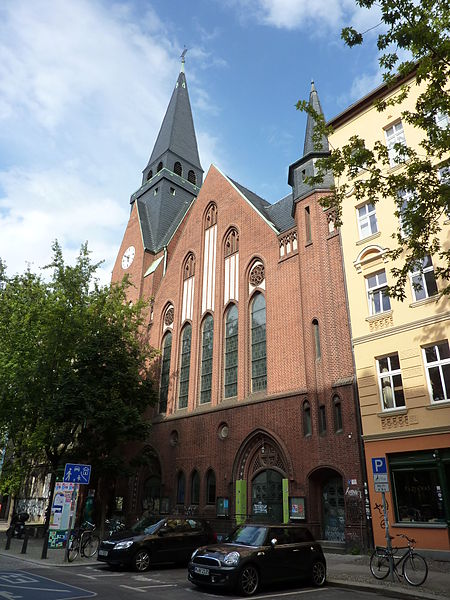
[[257, 414], [401, 348]]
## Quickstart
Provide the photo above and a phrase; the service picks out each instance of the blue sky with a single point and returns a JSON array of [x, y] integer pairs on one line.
[[84, 85]]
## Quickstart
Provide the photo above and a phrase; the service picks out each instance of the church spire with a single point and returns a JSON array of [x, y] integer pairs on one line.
[[304, 168], [176, 141], [314, 102]]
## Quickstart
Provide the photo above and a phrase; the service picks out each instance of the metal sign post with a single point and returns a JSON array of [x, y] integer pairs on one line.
[[380, 478]]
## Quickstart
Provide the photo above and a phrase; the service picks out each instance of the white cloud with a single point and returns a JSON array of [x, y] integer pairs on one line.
[[83, 89], [315, 17]]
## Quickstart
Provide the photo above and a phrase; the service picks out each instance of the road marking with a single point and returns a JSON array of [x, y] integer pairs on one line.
[[143, 589], [322, 589], [101, 575]]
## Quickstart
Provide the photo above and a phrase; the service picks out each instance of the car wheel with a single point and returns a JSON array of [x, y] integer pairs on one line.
[[318, 573], [248, 580], [141, 560]]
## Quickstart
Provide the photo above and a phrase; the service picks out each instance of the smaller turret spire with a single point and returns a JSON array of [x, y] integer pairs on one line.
[[314, 102]]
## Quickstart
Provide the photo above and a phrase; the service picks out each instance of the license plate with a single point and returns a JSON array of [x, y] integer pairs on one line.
[[201, 571], [103, 552]]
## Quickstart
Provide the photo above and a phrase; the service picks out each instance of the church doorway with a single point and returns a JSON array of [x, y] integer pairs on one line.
[[333, 510], [267, 496], [152, 494]]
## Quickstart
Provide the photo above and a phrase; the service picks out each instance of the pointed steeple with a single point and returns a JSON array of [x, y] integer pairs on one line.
[[173, 176], [314, 102], [176, 141], [304, 168]]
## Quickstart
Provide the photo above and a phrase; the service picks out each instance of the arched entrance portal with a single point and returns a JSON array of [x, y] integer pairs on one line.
[[267, 496], [151, 482], [261, 475], [327, 504], [333, 509]]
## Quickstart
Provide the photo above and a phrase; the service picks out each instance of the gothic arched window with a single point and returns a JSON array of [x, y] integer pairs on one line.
[[149, 174], [307, 426], [185, 362], [337, 411], [181, 487], [316, 334], [177, 168], [231, 352], [207, 359], [211, 216], [165, 372], [189, 266], [231, 243], [160, 166], [258, 337], [210, 487], [195, 487], [191, 177]]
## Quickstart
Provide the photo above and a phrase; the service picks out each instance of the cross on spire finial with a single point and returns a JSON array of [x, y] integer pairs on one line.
[[183, 59]]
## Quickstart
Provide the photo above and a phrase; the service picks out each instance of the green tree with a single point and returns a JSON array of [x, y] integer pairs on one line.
[[75, 370], [418, 29]]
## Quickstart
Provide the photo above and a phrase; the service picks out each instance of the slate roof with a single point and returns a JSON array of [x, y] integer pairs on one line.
[[177, 131], [279, 213]]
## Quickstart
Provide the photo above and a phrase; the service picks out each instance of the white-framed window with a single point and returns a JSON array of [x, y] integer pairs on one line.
[[404, 198], [423, 282], [442, 119], [376, 293], [394, 135], [437, 362], [390, 382], [444, 177], [367, 220]]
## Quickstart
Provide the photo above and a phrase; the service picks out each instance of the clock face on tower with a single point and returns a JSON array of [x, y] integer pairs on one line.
[[128, 257]]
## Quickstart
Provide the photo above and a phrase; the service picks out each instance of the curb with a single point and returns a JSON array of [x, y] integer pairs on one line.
[[386, 590]]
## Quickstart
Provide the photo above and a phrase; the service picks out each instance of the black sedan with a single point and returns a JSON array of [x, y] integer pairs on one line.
[[156, 540], [255, 555]]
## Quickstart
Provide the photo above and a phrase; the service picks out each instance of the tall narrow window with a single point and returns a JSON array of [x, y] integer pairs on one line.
[[258, 325], [149, 174], [207, 359], [181, 486], [390, 382], [177, 169], [231, 352], [210, 487], [195, 488], [159, 167], [307, 224], [437, 359], [337, 412], [185, 361], [316, 338], [394, 136], [191, 177], [165, 372], [405, 198], [322, 419], [307, 427], [376, 293], [423, 282]]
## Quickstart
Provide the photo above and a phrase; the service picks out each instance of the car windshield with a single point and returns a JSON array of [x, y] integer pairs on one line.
[[147, 525], [248, 535]]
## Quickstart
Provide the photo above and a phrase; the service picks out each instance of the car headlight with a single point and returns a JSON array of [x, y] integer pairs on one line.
[[232, 558], [123, 545], [194, 554]]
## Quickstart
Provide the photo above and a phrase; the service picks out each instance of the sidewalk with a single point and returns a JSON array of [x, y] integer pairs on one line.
[[344, 570]]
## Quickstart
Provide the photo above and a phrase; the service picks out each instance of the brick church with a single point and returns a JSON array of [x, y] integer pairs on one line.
[[258, 414]]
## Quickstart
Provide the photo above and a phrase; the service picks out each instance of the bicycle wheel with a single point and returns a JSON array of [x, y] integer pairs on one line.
[[379, 565], [74, 548], [415, 569], [90, 544]]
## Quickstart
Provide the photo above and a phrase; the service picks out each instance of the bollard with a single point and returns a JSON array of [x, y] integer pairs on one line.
[[8, 540], [25, 542]]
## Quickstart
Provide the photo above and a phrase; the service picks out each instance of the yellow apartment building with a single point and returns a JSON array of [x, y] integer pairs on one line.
[[401, 349]]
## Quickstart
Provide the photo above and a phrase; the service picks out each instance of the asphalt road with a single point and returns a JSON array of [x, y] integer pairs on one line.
[[22, 581]]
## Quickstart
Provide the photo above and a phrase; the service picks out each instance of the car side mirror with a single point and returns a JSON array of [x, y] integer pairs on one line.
[[273, 542]]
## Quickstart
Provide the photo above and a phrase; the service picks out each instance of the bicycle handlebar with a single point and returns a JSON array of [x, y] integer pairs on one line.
[[410, 540]]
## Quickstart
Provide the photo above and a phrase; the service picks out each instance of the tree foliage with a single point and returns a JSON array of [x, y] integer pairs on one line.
[[75, 379], [418, 29]]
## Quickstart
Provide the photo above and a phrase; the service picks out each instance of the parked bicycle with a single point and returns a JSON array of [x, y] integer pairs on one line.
[[414, 566], [83, 541]]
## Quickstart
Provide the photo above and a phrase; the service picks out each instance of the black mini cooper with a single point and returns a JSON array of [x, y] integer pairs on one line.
[[255, 555]]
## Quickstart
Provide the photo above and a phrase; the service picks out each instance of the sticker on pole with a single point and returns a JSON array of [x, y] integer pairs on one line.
[[77, 473]]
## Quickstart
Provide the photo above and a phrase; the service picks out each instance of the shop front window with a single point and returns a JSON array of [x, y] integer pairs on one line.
[[419, 496]]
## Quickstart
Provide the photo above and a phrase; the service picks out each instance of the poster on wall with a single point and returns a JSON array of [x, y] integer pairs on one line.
[[63, 506], [297, 508]]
